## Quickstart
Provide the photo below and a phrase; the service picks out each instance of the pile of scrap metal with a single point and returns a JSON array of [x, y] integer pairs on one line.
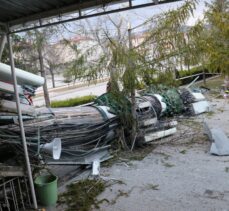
[[169, 102], [82, 135], [187, 101], [153, 105], [73, 135], [77, 135]]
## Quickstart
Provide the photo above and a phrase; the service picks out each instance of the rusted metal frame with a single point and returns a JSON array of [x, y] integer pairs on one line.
[[13, 188]]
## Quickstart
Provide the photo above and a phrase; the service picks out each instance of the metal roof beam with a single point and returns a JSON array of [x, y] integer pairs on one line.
[[92, 15], [62, 10]]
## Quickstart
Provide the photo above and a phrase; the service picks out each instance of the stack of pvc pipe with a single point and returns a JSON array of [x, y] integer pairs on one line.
[[27, 83], [23, 77]]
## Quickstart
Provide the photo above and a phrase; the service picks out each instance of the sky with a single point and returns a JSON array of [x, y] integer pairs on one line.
[[134, 17], [147, 12], [138, 16]]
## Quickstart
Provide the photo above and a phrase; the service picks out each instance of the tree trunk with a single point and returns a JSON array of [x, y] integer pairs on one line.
[[204, 77], [43, 74], [188, 67], [53, 77], [133, 100], [2, 44]]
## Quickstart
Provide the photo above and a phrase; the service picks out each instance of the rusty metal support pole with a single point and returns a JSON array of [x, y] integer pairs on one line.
[[20, 121]]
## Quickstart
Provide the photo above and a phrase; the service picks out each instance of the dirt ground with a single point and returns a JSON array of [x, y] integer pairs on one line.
[[179, 174]]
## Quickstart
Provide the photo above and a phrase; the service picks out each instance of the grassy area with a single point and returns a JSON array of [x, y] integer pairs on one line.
[[73, 101]]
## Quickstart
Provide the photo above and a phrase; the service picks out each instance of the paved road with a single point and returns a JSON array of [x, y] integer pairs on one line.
[[94, 89]]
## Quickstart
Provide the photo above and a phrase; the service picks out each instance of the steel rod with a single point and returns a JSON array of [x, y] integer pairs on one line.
[[21, 122], [6, 197], [13, 196], [27, 190], [20, 192]]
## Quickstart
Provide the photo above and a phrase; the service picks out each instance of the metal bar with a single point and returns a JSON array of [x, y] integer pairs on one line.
[[20, 192], [190, 76], [93, 15], [193, 82], [27, 190], [13, 195], [21, 122], [6, 197]]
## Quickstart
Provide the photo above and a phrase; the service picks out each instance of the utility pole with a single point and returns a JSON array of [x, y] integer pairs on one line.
[[132, 93]]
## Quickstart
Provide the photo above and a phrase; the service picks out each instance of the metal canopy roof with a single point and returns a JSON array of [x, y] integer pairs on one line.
[[20, 12]]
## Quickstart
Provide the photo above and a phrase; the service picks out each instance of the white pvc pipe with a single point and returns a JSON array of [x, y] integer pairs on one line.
[[23, 77], [163, 104], [159, 134]]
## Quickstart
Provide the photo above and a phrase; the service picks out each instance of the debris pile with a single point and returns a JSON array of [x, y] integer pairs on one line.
[[168, 102], [84, 132], [153, 106], [83, 135]]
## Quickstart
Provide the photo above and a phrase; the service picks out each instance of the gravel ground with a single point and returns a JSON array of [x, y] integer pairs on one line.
[[179, 174]]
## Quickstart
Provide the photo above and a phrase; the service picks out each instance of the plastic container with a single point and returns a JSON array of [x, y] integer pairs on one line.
[[46, 189]]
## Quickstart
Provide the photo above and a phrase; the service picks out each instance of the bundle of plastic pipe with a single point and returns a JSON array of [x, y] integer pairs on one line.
[[27, 84]]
